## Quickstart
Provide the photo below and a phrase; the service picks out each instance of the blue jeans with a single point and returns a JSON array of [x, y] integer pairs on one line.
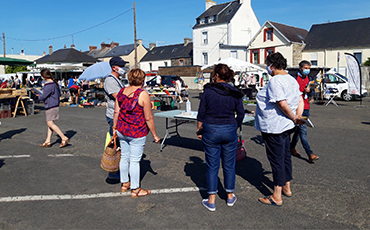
[[220, 142], [300, 132], [131, 152]]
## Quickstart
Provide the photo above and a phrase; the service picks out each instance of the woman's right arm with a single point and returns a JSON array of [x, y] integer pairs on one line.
[[147, 106]]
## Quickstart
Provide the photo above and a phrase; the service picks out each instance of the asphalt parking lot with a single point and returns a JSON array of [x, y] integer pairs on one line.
[[53, 188]]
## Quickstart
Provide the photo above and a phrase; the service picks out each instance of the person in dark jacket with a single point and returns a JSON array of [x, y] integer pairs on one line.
[[50, 96], [217, 127]]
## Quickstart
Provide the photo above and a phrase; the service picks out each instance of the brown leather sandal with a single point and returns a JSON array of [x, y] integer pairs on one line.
[[45, 145], [64, 143], [136, 194], [125, 186]]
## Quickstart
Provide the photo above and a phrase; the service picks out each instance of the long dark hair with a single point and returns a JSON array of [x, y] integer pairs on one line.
[[45, 73]]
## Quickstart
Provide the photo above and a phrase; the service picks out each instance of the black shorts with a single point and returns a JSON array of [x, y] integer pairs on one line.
[[73, 91]]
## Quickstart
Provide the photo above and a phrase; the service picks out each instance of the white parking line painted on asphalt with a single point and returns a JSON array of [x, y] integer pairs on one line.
[[93, 196], [61, 155], [15, 156]]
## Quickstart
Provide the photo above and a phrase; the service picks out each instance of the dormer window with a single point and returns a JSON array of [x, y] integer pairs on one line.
[[268, 35], [202, 21], [211, 19], [174, 50]]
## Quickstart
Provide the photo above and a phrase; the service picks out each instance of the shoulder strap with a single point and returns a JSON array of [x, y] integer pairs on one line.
[[110, 95]]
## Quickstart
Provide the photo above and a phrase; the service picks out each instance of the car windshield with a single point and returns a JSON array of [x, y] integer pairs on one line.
[[341, 76]]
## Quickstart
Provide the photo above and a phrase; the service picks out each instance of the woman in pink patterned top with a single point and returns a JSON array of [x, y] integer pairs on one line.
[[132, 121]]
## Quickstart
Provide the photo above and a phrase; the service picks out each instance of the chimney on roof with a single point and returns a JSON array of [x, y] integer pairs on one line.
[[73, 46], [65, 47], [210, 3], [103, 45], [187, 41], [152, 46], [139, 42], [92, 48], [22, 52], [113, 44], [50, 49], [245, 1]]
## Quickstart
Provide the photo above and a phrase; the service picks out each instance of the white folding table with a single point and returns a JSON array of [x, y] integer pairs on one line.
[[177, 115]]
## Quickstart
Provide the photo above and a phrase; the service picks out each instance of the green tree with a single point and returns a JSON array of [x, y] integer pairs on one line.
[[15, 69], [367, 63]]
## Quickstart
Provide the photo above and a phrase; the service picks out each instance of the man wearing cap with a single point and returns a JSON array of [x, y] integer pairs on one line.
[[112, 85]]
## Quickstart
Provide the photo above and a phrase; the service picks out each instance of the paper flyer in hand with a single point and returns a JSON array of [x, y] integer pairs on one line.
[[37, 91], [307, 121]]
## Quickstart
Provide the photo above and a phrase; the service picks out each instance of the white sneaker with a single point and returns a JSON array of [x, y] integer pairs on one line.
[[181, 102]]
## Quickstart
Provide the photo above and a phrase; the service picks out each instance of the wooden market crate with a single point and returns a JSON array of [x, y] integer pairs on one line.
[[20, 92], [7, 91]]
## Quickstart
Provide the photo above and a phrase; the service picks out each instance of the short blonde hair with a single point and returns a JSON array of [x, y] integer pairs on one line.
[[136, 77]]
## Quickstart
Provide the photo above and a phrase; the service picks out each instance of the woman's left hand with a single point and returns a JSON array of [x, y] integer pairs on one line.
[[200, 136]]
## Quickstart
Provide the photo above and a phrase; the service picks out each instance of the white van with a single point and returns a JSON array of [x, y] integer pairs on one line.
[[340, 82]]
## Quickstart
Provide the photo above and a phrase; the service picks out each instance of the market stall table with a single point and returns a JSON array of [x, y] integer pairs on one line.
[[18, 99], [191, 116]]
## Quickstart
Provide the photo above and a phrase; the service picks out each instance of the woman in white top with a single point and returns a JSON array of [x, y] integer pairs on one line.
[[279, 109], [178, 89]]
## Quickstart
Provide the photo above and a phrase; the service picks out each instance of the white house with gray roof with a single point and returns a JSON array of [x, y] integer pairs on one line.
[[224, 30]]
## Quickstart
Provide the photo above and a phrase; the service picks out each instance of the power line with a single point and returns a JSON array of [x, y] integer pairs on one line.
[[68, 35]]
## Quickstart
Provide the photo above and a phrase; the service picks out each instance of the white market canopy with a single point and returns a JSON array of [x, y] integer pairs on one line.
[[234, 64]]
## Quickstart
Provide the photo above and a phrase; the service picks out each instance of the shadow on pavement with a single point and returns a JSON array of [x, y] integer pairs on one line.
[[145, 167], [69, 134], [189, 143], [258, 140], [2, 163], [11, 133], [365, 123], [197, 173], [251, 170]]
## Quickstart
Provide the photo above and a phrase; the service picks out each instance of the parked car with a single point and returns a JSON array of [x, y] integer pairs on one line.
[[168, 81], [340, 82]]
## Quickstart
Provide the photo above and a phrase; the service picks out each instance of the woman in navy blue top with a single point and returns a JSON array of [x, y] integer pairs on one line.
[[50, 96], [220, 113]]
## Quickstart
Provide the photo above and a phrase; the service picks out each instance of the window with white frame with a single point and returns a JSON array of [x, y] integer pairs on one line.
[[313, 59], [234, 54], [205, 58], [205, 38], [358, 56]]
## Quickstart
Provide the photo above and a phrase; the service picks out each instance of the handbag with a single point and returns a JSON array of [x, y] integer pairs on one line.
[[240, 151], [111, 157]]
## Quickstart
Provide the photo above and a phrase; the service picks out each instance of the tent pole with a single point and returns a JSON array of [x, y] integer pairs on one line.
[[4, 51]]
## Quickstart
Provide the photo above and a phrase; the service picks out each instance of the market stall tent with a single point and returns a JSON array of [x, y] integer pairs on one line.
[[234, 64], [14, 61]]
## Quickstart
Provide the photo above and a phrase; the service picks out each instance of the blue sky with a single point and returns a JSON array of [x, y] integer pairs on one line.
[[163, 21]]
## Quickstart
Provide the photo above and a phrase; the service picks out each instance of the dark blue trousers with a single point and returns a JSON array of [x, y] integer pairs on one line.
[[278, 153]]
